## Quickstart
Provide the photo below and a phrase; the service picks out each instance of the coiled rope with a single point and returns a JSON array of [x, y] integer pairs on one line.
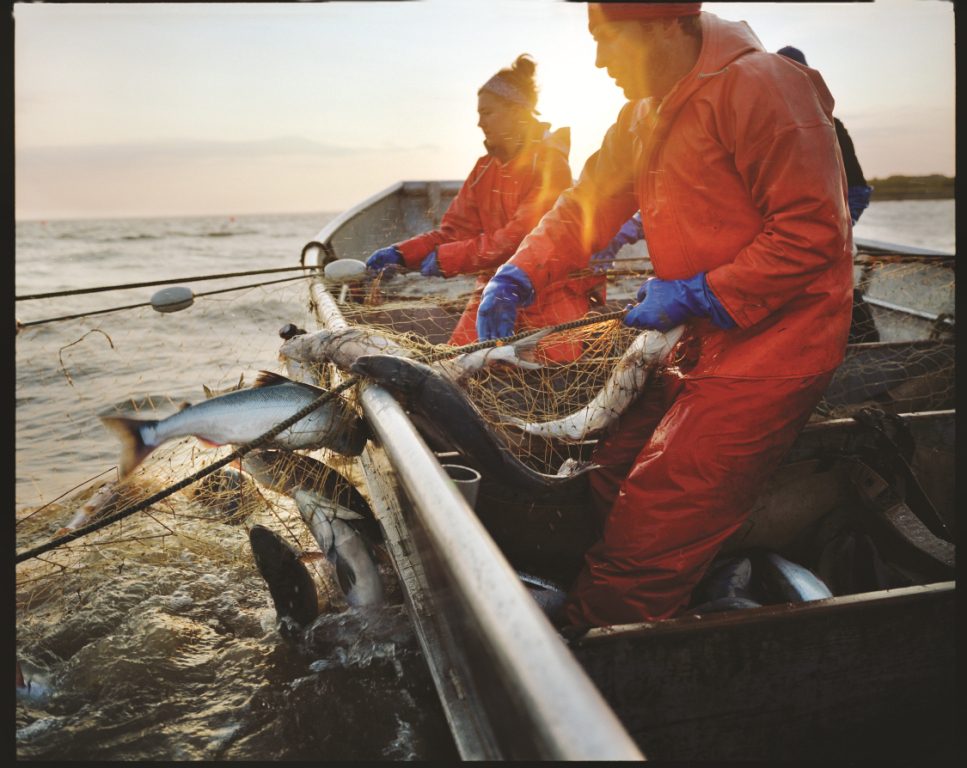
[[305, 411]]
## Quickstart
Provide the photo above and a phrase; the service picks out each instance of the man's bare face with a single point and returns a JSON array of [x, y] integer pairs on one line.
[[635, 55]]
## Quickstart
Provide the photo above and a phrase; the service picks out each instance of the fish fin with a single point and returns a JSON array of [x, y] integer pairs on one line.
[[184, 404], [345, 575], [209, 393], [526, 349], [208, 443], [133, 448], [270, 379], [290, 584], [571, 467]]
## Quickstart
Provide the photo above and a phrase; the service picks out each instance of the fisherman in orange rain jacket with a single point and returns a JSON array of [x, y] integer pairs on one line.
[[505, 195], [731, 156]]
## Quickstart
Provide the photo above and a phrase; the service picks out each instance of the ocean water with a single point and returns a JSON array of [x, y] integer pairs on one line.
[[155, 638], [921, 223]]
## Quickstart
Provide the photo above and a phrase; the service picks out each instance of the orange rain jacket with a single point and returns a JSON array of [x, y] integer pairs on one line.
[[496, 207], [726, 175]]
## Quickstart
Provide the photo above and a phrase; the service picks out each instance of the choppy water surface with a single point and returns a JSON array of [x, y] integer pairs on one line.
[[155, 638]]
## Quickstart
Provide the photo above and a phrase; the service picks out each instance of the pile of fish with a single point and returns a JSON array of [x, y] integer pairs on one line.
[[732, 583], [752, 580]]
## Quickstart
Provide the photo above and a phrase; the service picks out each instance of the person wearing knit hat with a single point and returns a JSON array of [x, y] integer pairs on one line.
[[729, 153], [793, 53], [858, 192], [504, 196]]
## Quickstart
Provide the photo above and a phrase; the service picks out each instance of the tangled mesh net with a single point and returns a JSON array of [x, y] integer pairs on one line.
[[231, 336]]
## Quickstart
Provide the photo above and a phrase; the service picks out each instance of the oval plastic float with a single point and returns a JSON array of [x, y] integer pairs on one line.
[[173, 299], [343, 270]]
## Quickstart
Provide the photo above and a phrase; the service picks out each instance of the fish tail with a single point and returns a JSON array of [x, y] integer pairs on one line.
[[134, 449], [526, 348]]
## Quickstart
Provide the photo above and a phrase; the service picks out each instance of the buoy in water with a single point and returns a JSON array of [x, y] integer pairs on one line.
[[344, 270], [173, 299]]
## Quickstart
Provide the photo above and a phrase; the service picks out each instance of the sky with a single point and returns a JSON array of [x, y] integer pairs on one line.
[[166, 109]]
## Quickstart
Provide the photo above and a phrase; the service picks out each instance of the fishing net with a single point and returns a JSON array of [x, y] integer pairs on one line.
[[91, 363], [231, 333]]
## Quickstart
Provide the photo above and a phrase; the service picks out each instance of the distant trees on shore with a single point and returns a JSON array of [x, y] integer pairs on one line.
[[932, 187]]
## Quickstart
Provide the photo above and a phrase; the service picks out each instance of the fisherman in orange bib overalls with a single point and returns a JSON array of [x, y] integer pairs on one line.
[[730, 154], [505, 195]]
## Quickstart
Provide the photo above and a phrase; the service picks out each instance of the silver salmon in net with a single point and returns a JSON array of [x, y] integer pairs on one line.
[[242, 416], [625, 384]]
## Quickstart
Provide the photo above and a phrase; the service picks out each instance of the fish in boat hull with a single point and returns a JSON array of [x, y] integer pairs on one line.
[[727, 577], [241, 416], [434, 397], [784, 580], [722, 604], [32, 684], [550, 597]]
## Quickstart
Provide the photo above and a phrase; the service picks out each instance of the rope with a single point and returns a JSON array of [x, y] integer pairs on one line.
[[79, 291], [285, 424], [20, 325], [166, 492]]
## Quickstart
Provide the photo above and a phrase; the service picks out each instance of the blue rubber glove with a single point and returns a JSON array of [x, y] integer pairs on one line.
[[383, 258], [430, 267], [665, 304], [631, 232], [507, 290], [859, 199]]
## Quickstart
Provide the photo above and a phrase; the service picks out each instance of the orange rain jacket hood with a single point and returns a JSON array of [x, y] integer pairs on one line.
[[738, 174]]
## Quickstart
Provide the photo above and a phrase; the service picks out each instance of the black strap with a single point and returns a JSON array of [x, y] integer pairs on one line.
[[891, 454], [902, 532]]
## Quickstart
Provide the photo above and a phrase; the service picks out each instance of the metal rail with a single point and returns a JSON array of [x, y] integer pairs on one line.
[[561, 712]]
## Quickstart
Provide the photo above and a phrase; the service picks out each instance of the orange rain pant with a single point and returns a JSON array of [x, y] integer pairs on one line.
[[678, 474]]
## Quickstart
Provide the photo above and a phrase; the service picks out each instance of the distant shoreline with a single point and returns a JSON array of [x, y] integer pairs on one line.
[[933, 187]]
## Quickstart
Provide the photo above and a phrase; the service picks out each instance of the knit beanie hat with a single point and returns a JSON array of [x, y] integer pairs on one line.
[[607, 12]]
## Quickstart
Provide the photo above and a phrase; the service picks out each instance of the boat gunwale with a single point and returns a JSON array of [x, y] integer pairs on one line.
[[570, 718], [780, 612], [324, 236], [709, 623]]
